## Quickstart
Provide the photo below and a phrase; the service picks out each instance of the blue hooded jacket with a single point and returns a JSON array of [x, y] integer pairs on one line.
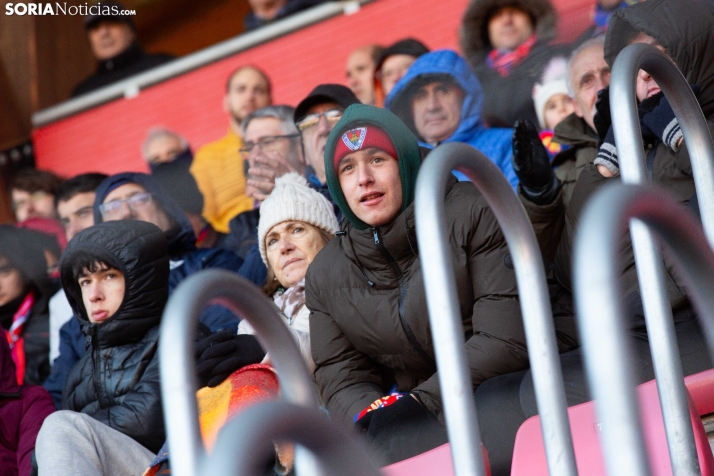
[[185, 259], [495, 143]]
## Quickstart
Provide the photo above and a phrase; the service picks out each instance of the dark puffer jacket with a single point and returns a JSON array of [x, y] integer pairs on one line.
[[685, 28], [117, 381], [21, 248], [508, 99], [369, 325]]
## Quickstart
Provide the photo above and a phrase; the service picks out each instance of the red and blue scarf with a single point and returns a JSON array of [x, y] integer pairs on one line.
[[14, 335], [504, 60]]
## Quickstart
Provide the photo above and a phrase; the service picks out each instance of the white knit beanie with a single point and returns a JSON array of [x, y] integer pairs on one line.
[[552, 82], [293, 199]]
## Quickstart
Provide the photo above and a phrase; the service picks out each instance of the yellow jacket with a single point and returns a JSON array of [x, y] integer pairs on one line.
[[218, 170]]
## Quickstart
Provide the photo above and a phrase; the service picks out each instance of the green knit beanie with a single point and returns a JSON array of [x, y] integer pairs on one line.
[[405, 143]]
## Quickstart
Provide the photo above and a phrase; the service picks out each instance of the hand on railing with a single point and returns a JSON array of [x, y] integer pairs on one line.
[[532, 165], [607, 156]]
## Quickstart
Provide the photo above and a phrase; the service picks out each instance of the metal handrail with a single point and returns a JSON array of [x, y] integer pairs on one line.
[[601, 314], [650, 270], [445, 316], [131, 86], [178, 367], [238, 451]]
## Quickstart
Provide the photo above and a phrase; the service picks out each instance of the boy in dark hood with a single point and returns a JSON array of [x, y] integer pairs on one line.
[[116, 279], [138, 197]]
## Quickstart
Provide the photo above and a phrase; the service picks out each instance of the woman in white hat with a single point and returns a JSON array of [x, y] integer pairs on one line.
[[295, 223]]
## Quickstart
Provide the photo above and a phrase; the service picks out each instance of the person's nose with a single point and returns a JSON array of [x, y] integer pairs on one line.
[[433, 103], [94, 292], [286, 245], [364, 175], [323, 126], [644, 76], [126, 212]]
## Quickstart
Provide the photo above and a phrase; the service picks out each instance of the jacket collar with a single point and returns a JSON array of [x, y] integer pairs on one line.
[[123, 60]]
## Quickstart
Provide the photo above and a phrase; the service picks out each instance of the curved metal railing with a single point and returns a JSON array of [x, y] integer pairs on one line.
[[601, 315], [178, 368], [445, 316], [244, 452], [650, 270]]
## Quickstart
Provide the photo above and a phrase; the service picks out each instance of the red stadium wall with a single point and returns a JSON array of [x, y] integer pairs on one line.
[[108, 138]]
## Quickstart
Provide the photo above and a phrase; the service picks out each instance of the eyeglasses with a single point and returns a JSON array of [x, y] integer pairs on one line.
[[331, 116], [266, 144], [113, 208]]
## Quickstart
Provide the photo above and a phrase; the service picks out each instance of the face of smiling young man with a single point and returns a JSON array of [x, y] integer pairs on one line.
[[369, 180]]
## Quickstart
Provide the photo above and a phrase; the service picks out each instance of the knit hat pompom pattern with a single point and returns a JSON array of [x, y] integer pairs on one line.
[[293, 200]]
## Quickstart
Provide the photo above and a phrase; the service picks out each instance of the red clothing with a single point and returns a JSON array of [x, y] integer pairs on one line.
[[22, 411]]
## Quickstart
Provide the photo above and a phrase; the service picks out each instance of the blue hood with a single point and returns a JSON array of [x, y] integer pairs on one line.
[[495, 143], [180, 237]]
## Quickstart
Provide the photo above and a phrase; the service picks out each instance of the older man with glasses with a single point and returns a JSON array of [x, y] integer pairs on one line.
[[315, 117]]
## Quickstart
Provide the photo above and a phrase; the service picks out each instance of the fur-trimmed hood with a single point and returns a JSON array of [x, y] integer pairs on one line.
[[473, 34]]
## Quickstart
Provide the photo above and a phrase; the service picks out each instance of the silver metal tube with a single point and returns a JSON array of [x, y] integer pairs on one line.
[[650, 270], [131, 86], [601, 315], [445, 316], [238, 451], [177, 362]]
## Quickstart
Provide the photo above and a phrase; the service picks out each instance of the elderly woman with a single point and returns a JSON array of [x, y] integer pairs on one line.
[[295, 224], [369, 326]]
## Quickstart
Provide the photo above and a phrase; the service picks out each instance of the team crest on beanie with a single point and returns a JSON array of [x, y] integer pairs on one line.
[[354, 138]]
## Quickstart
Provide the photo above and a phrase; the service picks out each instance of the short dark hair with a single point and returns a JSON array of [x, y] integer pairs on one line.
[[32, 180], [83, 183], [254, 68], [88, 263]]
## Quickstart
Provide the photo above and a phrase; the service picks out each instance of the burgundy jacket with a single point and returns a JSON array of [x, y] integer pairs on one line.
[[22, 411]]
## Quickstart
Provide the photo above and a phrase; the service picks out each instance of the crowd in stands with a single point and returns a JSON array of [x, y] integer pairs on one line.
[[314, 204]]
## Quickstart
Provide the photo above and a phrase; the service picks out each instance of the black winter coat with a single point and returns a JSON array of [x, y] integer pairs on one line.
[[117, 381], [360, 331], [127, 63], [509, 99]]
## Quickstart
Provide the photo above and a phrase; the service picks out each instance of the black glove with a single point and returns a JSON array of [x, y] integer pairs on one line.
[[406, 408], [222, 353], [532, 165], [662, 121], [607, 154], [602, 118]]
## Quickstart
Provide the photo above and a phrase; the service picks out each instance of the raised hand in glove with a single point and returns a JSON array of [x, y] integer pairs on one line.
[[607, 154], [222, 353], [406, 408], [532, 165], [602, 118]]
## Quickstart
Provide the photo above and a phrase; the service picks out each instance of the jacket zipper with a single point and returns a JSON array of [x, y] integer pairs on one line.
[[402, 295]]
